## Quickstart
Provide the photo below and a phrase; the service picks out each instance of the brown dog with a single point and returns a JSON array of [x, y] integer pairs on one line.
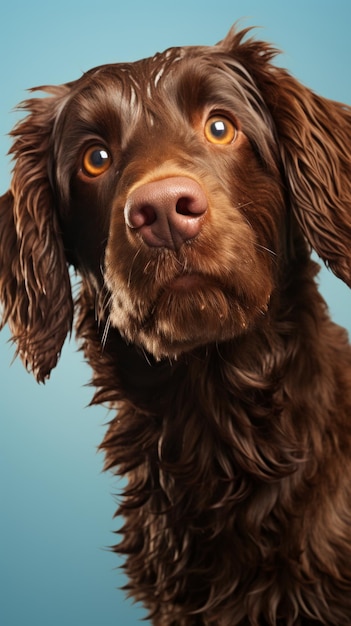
[[188, 190]]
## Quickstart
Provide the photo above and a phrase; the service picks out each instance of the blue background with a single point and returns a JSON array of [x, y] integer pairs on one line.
[[56, 504]]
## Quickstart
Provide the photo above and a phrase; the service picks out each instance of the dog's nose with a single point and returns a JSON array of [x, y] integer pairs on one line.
[[167, 212]]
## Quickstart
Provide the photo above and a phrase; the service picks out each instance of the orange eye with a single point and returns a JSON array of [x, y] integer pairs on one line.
[[96, 160], [220, 130]]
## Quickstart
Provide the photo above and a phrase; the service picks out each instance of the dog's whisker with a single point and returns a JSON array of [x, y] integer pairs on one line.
[[261, 247], [146, 356], [105, 332], [102, 259], [106, 305], [131, 266]]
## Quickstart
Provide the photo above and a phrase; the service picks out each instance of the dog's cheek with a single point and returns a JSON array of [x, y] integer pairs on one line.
[[85, 228]]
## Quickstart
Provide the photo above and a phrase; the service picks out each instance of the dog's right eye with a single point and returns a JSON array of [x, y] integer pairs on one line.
[[96, 161]]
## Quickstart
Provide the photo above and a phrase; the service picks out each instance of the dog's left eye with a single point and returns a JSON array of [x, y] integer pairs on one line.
[[96, 160], [220, 130]]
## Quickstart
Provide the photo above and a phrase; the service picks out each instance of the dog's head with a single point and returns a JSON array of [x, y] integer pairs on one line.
[[170, 184]]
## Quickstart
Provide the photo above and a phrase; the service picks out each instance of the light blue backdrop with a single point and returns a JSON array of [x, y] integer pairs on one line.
[[56, 505]]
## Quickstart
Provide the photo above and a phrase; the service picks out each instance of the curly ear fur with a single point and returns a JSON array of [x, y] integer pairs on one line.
[[314, 136], [34, 282]]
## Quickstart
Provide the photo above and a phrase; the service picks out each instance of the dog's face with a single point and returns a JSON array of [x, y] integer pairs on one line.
[[173, 197], [178, 186]]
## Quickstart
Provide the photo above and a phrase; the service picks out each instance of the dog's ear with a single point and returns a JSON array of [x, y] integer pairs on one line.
[[35, 290], [314, 137]]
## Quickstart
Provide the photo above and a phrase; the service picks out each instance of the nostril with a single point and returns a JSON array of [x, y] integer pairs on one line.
[[139, 214], [148, 215], [183, 206]]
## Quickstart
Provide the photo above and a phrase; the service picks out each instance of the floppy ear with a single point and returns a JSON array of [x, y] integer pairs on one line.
[[315, 143], [34, 282], [314, 137]]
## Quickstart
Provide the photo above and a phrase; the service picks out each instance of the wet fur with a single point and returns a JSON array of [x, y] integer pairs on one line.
[[234, 390]]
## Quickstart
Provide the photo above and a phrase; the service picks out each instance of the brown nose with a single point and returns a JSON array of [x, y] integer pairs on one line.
[[166, 212]]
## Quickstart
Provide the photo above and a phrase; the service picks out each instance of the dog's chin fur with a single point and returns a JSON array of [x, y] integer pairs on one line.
[[184, 317], [233, 387]]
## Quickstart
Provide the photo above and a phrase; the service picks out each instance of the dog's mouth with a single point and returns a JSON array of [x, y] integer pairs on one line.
[[171, 312], [193, 291], [191, 284], [188, 310], [186, 281]]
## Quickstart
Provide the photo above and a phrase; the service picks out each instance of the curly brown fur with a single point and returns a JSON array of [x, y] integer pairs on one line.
[[200, 316]]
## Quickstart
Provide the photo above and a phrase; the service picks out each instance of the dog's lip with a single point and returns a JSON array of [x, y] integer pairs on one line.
[[187, 281], [193, 282]]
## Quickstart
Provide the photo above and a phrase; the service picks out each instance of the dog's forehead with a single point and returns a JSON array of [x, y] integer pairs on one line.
[[162, 62], [178, 75], [144, 73], [164, 93]]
